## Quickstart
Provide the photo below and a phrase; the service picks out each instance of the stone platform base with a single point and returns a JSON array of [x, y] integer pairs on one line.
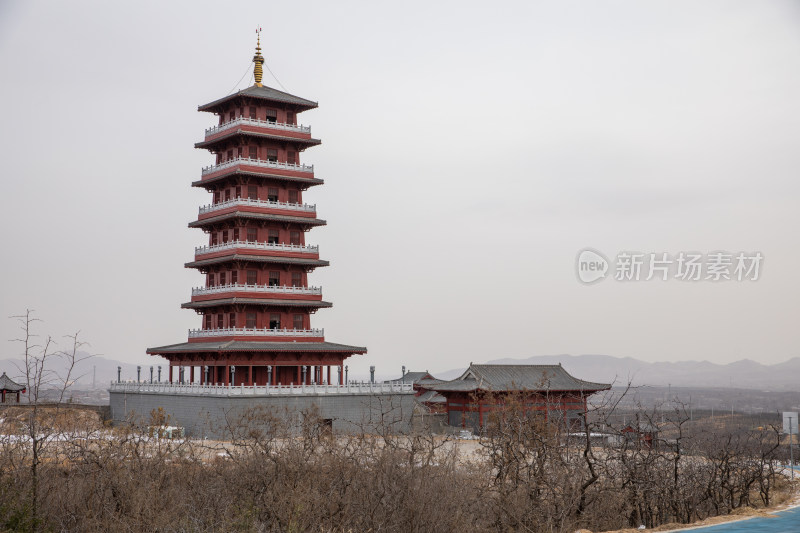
[[218, 414]]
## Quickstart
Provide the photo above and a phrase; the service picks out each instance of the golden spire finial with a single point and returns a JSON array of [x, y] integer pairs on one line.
[[258, 59]]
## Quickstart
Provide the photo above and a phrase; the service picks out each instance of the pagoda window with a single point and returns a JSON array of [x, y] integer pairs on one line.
[[229, 155], [231, 115], [272, 115], [290, 117], [253, 112], [252, 192], [238, 191], [224, 235], [207, 320], [235, 234], [231, 320], [222, 278], [272, 155], [209, 279], [227, 195], [239, 152], [272, 194], [297, 279], [274, 278], [252, 152], [298, 322], [220, 319], [214, 239], [217, 197], [275, 321], [250, 320], [234, 277], [273, 236], [252, 234], [252, 277], [294, 237], [294, 196], [291, 157]]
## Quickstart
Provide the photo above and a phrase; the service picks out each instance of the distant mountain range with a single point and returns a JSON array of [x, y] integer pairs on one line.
[[744, 374]]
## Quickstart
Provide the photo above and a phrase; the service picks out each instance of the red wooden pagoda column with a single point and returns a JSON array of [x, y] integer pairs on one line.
[[170, 372], [329, 374], [191, 374], [250, 374]]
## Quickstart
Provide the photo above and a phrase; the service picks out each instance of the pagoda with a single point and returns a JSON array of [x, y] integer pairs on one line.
[[256, 303]]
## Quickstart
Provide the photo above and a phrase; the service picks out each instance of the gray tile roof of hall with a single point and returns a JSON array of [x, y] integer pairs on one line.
[[256, 346], [431, 397], [262, 93], [6, 383], [519, 377], [258, 259], [257, 216], [271, 302]]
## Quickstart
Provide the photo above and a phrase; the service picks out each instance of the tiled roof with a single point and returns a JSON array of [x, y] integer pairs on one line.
[[235, 170], [7, 384], [518, 377], [255, 346], [262, 93], [239, 131], [410, 377], [258, 259], [272, 302], [307, 221], [431, 397]]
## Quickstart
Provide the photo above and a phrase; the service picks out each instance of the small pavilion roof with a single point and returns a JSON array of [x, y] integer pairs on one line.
[[412, 377], [256, 346], [269, 302], [7, 384], [258, 259], [261, 93], [306, 221], [503, 378]]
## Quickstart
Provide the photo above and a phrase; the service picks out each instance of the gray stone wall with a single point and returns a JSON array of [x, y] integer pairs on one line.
[[214, 416]]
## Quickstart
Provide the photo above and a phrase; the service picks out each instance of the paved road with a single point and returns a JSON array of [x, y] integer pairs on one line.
[[785, 522]]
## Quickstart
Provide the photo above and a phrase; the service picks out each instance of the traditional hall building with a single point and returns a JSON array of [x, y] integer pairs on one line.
[[548, 390]]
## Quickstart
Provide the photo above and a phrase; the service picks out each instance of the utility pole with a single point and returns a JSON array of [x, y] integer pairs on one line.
[[791, 448]]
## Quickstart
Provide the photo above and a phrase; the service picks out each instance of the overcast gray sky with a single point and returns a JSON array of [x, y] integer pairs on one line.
[[470, 150]]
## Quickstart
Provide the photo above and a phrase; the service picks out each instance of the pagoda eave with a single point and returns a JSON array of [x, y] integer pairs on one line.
[[209, 143], [265, 302], [237, 214], [261, 93], [256, 346], [206, 183], [311, 263]]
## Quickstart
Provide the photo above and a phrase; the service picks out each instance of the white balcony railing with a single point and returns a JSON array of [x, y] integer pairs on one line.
[[258, 203], [279, 289], [261, 390], [257, 163], [230, 245], [242, 121], [255, 332]]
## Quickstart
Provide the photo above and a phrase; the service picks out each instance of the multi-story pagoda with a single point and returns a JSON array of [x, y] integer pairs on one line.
[[256, 304]]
